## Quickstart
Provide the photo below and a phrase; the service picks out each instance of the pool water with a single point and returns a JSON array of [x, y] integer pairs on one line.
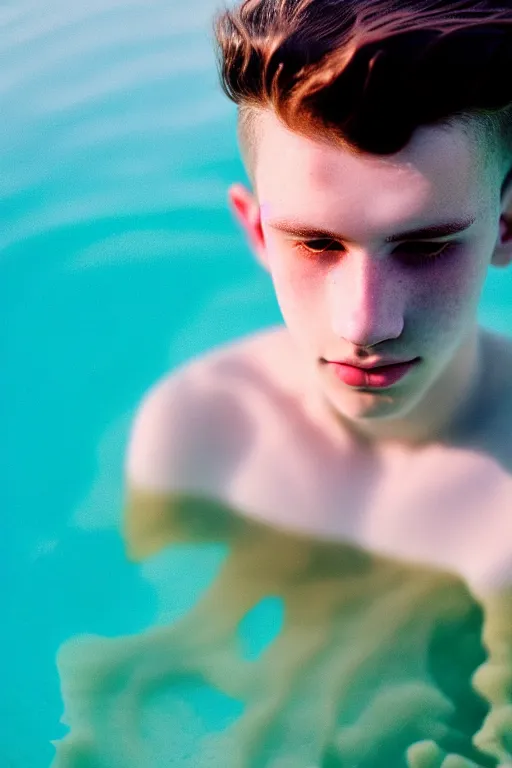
[[119, 261]]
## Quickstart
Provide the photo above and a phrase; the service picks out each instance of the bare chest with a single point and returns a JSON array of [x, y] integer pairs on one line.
[[450, 508]]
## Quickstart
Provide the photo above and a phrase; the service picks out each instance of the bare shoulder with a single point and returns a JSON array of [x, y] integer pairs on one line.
[[204, 413]]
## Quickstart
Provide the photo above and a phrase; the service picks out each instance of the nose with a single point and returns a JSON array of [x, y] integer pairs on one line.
[[366, 301]]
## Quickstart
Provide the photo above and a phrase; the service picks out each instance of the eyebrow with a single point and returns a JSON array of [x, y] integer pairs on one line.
[[426, 233]]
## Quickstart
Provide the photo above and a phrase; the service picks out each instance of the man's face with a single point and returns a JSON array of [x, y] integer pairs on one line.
[[367, 288]]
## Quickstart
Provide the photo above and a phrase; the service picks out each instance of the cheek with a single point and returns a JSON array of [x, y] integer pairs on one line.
[[459, 278], [298, 282], [288, 279], [298, 292], [447, 295]]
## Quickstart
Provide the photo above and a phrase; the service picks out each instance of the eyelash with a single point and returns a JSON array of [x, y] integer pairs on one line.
[[420, 259]]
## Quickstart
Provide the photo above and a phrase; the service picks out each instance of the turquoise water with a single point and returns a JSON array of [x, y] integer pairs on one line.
[[119, 260]]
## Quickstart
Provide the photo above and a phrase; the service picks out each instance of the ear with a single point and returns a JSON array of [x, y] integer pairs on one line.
[[246, 210], [502, 256]]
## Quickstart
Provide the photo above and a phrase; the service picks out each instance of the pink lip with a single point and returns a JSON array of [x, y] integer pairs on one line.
[[374, 378], [384, 363]]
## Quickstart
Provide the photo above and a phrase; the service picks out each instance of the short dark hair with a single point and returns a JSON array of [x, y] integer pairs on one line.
[[368, 73]]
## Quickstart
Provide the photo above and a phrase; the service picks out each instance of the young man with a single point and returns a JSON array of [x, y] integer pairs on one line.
[[356, 463], [377, 227]]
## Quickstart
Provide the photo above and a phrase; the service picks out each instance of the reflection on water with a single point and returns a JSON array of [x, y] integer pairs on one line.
[[294, 653]]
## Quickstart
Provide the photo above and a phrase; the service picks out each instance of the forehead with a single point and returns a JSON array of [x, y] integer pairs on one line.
[[439, 173]]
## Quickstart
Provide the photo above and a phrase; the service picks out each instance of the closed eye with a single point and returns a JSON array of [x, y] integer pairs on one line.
[[423, 249], [419, 251], [315, 246]]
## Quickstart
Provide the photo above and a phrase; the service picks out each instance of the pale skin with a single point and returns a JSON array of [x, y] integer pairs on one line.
[[421, 470]]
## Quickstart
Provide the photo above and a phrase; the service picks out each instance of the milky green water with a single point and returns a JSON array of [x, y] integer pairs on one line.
[[280, 651], [119, 260]]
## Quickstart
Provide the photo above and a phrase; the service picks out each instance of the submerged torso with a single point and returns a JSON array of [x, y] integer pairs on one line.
[[359, 612]]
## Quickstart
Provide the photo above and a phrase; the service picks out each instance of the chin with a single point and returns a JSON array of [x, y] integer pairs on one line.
[[365, 405]]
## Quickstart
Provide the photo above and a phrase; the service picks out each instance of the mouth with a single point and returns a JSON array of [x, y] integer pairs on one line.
[[374, 377], [375, 366]]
